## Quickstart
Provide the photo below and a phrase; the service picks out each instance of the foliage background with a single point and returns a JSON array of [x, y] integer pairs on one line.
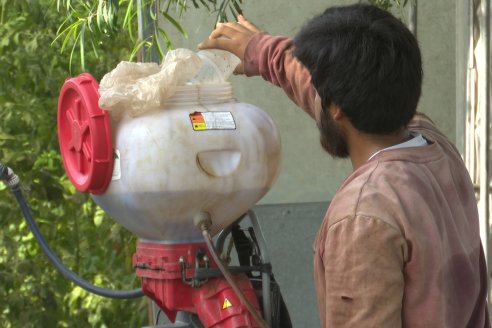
[[33, 293]]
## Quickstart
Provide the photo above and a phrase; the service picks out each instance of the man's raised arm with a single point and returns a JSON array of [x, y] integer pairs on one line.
[[265, 55]]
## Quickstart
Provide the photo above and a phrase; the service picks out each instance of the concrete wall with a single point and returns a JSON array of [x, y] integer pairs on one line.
[[289, 230], [436, 35]]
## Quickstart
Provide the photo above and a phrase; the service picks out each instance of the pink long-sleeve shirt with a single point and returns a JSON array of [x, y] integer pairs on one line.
[[399, 245]]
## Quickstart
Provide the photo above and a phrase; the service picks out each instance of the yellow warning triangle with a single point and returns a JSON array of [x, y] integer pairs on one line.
[[227, 304]]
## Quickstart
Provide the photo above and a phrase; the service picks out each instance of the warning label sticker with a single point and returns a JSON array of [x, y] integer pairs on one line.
[[202, 121], [227, 304]]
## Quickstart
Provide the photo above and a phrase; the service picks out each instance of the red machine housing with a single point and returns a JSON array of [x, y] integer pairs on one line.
[[167, 273]]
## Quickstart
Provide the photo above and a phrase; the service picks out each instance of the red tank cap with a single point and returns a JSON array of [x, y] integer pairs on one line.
[[84, 135]]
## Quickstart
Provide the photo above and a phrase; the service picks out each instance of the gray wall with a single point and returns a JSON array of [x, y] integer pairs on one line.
[[436, 35], [289, 231]]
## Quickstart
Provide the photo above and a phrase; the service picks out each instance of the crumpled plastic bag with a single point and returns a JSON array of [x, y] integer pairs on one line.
[[136, 88], [139, 87], [217, 66]]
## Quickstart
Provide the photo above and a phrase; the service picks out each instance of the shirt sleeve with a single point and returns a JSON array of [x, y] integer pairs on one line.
[[364, 282], [271, 57]]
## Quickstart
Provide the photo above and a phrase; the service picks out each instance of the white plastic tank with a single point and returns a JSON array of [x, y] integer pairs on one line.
[[202, 152], [157, 145]]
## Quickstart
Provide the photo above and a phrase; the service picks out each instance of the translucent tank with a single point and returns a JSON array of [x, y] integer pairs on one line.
[[202, 152]]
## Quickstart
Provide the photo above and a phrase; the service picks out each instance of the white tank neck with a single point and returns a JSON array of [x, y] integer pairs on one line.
[[201, 94]]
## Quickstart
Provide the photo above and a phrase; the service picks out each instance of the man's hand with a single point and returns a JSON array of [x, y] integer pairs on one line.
[[233, 37]]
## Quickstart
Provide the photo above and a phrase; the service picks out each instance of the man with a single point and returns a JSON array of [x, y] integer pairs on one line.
[[400, 244]]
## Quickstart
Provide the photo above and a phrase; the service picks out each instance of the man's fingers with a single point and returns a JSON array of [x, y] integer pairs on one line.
[[211, 43], [232, 37], [223, 44], [227, 30], [239, 69], [246, 23], [231, 27]]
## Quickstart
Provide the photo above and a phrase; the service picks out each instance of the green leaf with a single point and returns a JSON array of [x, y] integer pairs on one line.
[[221, 12], [65, 30], [106, 12], [70, 35], [152, 13], [233, 11], [98, 217], [136, 48], [206, 4], [165, 38], [81, 47], [99, 14], [128, 21], [128, 15], [5, 136], [94, 49], [237, 7], [175, 24], [195, 4], [76, 37]]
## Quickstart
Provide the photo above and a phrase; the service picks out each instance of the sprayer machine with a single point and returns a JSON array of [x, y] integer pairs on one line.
[[179, 163]]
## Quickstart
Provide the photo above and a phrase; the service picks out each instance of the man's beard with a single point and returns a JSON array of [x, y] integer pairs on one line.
[[331, 136]]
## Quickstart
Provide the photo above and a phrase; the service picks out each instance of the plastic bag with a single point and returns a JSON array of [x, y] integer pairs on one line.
[[139, 87], [136, 88], [218, 65]]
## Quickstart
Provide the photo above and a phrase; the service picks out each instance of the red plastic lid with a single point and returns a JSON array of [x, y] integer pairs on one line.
[[84, 135]]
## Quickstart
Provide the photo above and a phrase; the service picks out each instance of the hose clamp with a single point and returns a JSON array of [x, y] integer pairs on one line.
[[10, 178]]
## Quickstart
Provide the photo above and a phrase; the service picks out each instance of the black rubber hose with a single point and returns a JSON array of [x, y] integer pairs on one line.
[[7, 175]]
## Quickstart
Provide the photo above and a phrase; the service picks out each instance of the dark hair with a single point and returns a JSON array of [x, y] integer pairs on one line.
[[365, 61]]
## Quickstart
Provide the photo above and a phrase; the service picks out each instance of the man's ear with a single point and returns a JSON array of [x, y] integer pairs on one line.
[[336, 112]]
